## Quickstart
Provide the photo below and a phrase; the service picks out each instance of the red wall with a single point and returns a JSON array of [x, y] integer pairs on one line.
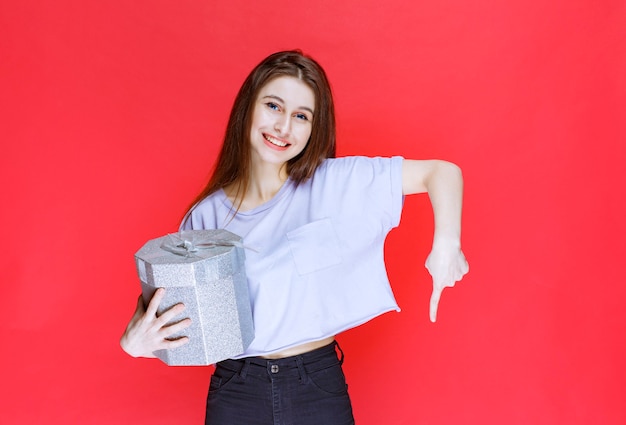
[[111, 114]]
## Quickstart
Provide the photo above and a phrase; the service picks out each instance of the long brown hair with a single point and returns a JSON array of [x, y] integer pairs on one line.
[[233, 162]]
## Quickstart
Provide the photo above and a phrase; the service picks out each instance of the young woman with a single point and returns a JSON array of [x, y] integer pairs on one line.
[[319, 224]]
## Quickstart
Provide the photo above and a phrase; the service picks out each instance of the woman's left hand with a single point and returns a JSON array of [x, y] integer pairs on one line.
[[447, 265]]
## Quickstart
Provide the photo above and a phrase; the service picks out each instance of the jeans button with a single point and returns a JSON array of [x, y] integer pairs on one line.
[[274, 368]]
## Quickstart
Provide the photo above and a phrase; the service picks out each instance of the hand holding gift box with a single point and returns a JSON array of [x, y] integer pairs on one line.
[[204, 270]]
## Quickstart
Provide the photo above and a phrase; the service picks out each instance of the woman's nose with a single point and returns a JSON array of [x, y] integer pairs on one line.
[[283, 125]]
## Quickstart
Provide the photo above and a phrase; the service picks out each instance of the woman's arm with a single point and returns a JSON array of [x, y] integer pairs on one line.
[[444, 183]]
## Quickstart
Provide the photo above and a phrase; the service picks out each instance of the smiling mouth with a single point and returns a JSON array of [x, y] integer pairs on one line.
[[274, 141]]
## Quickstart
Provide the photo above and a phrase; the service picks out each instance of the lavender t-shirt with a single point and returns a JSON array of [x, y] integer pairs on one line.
[[319, 269]]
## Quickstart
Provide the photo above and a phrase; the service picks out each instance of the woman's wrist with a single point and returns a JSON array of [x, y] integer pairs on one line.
[[446, 241]]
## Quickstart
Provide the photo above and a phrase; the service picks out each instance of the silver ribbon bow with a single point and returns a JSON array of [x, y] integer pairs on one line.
[[179, 245]]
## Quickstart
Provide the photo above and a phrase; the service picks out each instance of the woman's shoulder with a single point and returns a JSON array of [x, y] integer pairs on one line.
[[211, 200], [358, 163], [343, 162], [204, 211]]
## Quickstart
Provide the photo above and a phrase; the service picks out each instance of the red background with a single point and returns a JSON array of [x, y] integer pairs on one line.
[[112, 113]]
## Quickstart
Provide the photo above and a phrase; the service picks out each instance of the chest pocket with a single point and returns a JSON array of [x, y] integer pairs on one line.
[[314, 246]]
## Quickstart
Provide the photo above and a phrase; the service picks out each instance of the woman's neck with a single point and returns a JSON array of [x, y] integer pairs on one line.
[[264, 184]]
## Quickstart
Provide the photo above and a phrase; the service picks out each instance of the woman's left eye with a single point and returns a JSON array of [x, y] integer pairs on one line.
[[302, 117]]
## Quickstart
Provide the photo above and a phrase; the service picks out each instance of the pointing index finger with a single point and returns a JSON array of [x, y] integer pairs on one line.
[[434, 303]]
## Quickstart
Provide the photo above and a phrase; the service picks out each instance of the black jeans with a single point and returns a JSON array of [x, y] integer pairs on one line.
[[306, 389]]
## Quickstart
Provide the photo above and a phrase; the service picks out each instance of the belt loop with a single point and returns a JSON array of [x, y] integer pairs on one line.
[[244, 369], [341, 351], [301, 369]]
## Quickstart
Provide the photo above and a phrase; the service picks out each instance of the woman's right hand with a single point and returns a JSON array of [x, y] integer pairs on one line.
[[146, 332]]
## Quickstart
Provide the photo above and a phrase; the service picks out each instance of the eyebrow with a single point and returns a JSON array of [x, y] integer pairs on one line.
[[272, 96]]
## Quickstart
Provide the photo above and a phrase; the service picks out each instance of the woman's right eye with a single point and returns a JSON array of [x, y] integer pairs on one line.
[[272, 105]]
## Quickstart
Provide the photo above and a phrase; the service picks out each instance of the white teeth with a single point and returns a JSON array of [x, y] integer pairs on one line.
[[275, 141]]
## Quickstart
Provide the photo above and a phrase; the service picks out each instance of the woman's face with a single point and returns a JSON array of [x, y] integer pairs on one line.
[[281, 120]]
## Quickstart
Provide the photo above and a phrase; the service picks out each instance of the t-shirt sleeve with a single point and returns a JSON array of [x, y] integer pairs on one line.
[[366, 186]]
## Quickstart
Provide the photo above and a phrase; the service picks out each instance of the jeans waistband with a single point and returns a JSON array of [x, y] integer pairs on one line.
[[300, 364]]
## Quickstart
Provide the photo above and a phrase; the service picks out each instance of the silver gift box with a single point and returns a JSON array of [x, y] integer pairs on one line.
[[204, 270]]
